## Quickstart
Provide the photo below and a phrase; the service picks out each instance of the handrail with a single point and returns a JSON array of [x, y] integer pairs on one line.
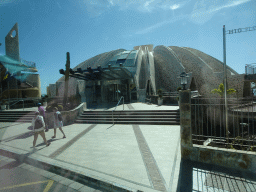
[[17, 102], [20, 99], [116, 107]]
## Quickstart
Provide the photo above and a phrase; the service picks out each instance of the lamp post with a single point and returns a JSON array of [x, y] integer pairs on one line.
[[183, 80], [232, 31]]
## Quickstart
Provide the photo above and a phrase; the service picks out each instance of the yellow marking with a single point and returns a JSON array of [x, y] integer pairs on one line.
[[47, 188], [26, 184]]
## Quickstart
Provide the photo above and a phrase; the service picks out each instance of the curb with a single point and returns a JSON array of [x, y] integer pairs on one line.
[[72, 174]]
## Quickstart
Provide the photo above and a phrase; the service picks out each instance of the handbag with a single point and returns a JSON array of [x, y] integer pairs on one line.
[[38, 123]]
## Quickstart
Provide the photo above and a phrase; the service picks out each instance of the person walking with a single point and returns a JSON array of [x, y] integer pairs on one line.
[[58, 122], [42, 113], [38, 128]]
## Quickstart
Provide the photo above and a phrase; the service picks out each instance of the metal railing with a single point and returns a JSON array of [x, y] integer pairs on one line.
[[28, 63], [116, 107], [176, 94], [16, 103], [16, 100], [209, 124], [171, 94]]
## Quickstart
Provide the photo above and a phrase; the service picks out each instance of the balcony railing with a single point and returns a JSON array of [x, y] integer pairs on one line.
[[250, 69], [28, 63]]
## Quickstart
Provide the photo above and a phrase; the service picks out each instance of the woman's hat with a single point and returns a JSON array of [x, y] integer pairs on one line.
[[39, 104]]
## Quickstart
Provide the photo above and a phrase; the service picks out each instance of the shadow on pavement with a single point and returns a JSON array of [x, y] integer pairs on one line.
[[22, 136], [11, 165], [196, 176]]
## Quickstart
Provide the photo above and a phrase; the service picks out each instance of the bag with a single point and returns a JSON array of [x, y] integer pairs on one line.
[[38, 123]]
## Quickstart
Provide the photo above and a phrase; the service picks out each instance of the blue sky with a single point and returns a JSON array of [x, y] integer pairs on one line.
[[85, 28]]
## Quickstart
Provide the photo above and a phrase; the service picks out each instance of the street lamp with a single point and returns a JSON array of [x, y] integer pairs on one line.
[[183, 80]]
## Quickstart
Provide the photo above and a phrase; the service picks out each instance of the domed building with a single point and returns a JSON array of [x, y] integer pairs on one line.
[[138, 73]]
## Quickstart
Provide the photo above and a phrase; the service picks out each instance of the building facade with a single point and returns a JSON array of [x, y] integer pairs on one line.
[[18, 77], [138, 73]]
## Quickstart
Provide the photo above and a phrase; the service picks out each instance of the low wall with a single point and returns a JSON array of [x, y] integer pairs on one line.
[[235, 159], [166, 99], [69, 117]]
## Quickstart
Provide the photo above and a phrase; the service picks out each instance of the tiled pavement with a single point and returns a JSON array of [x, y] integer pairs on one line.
[[140, 157], [129, 157]]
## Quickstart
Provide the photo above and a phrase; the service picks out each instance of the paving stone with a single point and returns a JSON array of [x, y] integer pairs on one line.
[[87, 189], [58, 178], [66, 181], [76, 185]]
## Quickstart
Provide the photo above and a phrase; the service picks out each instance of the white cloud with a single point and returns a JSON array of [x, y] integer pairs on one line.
[[140, 5], [8, 2], [175, 6], [160, 24], [204, 10]]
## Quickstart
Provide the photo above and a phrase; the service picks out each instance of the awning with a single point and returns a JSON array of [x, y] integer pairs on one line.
[[14, 65]]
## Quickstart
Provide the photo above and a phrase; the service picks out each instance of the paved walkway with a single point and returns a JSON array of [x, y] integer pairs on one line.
[[129, 157], [132, 157]]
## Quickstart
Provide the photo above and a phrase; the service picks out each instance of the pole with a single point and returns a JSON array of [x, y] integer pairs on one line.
[[66, 79], [8, 89], [225, 79]]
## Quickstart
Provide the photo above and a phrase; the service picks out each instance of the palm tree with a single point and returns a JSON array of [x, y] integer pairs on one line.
[[221, 92]]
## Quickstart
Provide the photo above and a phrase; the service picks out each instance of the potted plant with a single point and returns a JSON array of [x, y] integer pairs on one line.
[[160, 97], [178, 98]]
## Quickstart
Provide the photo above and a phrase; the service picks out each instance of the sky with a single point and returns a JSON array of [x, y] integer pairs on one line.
[[48, 29]]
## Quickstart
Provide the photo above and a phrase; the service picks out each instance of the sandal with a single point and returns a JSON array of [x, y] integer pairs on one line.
[[48, 144], [53, 137], [64, 137]]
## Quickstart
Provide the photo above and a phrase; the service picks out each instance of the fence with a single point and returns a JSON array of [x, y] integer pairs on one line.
[[208, 122], [28, 63]]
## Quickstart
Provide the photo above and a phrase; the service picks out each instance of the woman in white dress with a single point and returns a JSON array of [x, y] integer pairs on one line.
[[57, 123], [38, 128]]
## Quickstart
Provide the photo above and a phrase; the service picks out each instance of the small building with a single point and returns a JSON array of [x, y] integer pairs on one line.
[[18, 77]]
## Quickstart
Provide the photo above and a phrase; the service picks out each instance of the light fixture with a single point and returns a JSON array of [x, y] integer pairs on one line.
[[183, 79]]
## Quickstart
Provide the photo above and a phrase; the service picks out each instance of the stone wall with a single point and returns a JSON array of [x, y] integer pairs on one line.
[[235, 159], [69, 117]]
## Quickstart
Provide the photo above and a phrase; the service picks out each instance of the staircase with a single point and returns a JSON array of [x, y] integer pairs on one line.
[[146, 117], [17, 116]]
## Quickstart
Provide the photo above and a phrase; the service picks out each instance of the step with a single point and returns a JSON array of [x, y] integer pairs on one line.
[[129, 119], [130, 122], [16, 115], [130, 116], [16, 120], [161, 112]]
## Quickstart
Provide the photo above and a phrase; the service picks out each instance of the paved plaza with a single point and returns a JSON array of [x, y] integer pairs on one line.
[[137, 157], [131, 157]]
